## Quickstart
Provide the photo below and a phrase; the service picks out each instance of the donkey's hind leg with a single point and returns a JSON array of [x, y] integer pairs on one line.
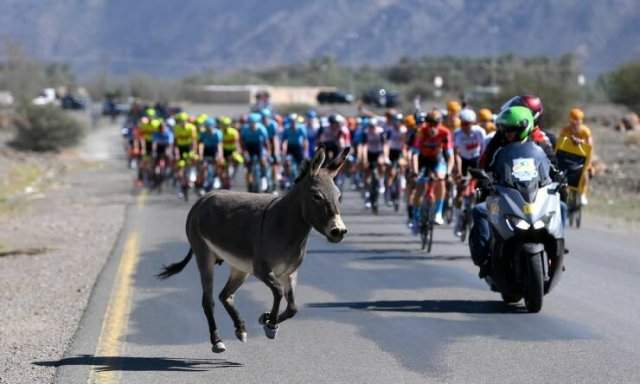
[[206, 261], [236, 278]]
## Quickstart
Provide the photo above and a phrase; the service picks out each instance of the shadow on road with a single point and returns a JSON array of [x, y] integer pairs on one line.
[[131, 363], [428, 306], [414, 258]]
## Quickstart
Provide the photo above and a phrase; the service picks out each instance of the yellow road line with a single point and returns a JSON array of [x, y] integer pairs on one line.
[[116, 319]]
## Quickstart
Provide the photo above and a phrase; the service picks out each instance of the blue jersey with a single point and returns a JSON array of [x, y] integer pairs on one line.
[[257, 137], [162, 138], [272, 128], [211, 139], [296, 137]]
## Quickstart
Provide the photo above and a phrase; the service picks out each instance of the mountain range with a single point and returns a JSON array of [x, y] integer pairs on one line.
[[174, 38]]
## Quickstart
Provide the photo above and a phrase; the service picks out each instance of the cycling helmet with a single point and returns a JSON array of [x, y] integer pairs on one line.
[[433, 118], [410, 121], [255, 117], [420, 117], [468, 116], [156, 123], [397, 117], [534, 103], [335, 119], [516, 119], [150, 113], [265, 112], [224, 121], [373, 121], [453, 107], [201, 118], [485, 115], [182, 117], [576, 115], [209, 122], [312, 114]]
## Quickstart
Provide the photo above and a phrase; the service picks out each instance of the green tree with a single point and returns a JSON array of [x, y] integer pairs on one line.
[[623, 85]]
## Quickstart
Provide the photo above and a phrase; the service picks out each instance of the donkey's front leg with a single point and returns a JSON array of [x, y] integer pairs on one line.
[[270, 320], [289, 288]]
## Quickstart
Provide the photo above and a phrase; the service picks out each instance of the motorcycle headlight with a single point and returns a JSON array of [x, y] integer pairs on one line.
[[544, 221], [517, 222]]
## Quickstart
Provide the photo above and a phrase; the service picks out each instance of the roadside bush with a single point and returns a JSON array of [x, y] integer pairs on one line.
[[622, 85], [45, 128]]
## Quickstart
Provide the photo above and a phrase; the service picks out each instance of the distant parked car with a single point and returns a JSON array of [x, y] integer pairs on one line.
[[72, 102], [381, 98], [111, 107], [334, 97], [46, 96]]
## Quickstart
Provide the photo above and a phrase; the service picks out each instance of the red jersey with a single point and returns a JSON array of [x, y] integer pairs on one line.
[[429, 145]]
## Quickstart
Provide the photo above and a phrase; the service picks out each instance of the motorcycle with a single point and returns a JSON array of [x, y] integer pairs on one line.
[[527, 242]]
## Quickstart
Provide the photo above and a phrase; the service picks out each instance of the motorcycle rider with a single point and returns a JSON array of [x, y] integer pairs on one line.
[[514, 125]]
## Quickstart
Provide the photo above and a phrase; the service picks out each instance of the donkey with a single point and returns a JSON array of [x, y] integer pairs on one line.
[[262, 235]]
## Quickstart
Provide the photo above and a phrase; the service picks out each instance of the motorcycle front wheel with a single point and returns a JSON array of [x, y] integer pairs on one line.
[[535, 283]]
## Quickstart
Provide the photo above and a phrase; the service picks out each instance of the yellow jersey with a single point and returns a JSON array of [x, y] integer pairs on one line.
[[185, 134], [229, 139], [583, 132]]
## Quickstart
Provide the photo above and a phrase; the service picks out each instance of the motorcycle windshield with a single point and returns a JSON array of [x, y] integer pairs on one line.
[[519, 171]]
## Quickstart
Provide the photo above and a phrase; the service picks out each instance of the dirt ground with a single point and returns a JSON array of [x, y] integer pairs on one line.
[[60, 215]]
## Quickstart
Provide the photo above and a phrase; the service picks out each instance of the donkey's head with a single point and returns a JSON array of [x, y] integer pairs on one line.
[[320, 195]]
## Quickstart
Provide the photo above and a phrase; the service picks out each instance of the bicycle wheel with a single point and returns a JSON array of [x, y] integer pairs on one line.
[[430, 236], [426, 225]]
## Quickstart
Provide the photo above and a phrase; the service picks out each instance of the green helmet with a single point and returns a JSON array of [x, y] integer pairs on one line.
[[516, 119]]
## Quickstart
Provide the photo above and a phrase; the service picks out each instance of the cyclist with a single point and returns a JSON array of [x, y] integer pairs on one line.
[[185, 135], [412, 123], [485, 121], [271, 125], [397, 138], [255, 145], [375, 151], [333, 137], [162, 140], [312, 125], [209, 149], [434, 161], [468, 143], [147, 126], [230, 149], [579, 134], [295, 144], [452, 122]]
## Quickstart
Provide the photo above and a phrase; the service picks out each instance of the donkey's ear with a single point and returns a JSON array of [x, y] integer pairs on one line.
[[336, 165], [317, 161], [304, 170]]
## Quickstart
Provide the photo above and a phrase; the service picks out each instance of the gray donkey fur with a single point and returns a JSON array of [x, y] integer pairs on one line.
[[262, 235]]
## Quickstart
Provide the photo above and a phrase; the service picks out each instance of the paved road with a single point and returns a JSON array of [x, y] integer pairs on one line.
[[374, 309]]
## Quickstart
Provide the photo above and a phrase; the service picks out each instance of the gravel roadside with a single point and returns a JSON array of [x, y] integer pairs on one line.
[[76, 221]]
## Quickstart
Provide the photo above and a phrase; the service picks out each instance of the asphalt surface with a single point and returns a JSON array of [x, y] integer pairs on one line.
[[374, 309]]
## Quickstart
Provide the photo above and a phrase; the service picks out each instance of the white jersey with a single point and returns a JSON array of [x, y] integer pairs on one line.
[[374, 139], [395, 137], [469, 146]]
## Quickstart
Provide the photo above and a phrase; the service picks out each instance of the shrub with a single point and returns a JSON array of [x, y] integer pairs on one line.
[[622, 85], [45, 128]]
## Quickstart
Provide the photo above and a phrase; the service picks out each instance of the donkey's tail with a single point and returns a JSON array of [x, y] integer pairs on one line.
[[170, 270]]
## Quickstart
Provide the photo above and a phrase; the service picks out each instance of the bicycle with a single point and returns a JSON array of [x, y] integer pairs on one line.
[[396, 187], [426, 222]]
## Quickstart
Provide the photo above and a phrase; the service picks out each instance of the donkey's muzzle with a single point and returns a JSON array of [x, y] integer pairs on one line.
[[337, 234]]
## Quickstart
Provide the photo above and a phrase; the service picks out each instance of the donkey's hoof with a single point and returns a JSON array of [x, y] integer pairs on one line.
[[241, 335], [264, 318], [270, 331], [218, 347]]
